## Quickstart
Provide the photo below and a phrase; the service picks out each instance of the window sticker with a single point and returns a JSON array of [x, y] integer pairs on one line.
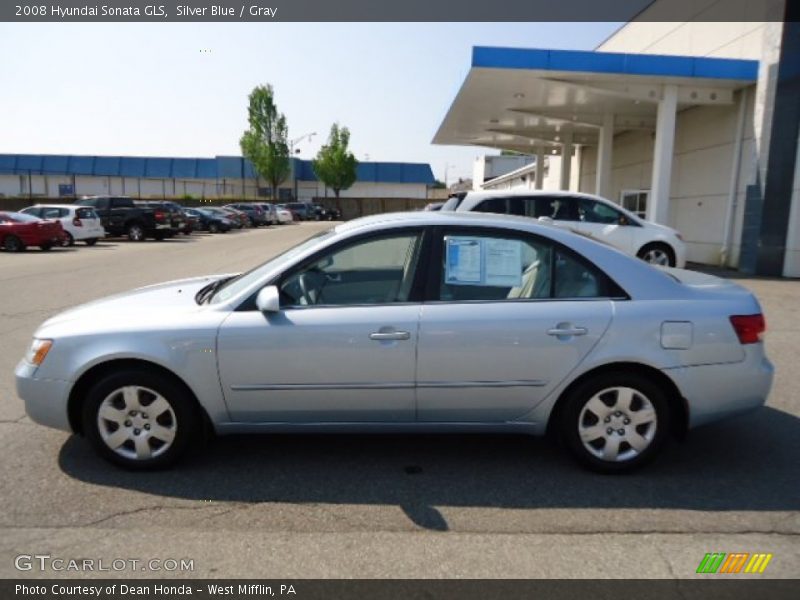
[[503, 262], [463, 260], [483, 261]]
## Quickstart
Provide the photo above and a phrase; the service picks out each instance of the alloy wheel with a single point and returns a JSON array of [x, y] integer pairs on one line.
[[135, 233], [657, 256]]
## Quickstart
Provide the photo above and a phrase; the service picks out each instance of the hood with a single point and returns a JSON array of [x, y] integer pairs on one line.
[[659, 227], [138, 307]]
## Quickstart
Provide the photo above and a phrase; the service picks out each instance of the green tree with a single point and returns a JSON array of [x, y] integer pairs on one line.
[[335, 165], [264, 143]]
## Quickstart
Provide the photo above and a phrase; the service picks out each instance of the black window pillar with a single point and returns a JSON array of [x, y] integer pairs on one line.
[[782, 150]]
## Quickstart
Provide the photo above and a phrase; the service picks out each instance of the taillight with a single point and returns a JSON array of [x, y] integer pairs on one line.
[[749, 328], [77, 222], [159, 215]]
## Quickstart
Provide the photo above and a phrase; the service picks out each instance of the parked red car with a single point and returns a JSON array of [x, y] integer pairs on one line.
[[17, 231]]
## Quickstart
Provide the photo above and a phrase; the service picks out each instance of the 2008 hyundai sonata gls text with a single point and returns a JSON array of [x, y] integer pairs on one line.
[[408, 322]]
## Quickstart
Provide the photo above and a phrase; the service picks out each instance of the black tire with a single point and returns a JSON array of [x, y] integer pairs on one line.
[[68, 240], [46, 247], [187, 421], [13, 244], [213, 228], [91, 241], [572, 418], [649, 252], [135, 232], [160, 237]]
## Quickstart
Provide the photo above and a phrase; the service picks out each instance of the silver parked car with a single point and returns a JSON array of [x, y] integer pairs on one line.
[[427, 321]]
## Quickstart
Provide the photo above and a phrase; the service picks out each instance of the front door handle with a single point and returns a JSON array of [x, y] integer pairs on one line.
[[566, 331], [383, 336]]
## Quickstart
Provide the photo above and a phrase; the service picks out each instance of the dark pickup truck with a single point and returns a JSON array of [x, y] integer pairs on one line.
[[121, 215]]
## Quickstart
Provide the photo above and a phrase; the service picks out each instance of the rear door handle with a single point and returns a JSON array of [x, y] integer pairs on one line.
[[567, 331], [389, 335]]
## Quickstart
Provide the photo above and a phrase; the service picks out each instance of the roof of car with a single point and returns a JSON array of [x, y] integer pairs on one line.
[[523, 192], [449, 218], [72, 206]]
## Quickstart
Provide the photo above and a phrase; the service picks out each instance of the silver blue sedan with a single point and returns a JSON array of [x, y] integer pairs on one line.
[[428, 321]]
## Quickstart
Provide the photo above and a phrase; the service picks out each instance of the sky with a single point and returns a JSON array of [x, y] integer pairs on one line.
[[180, 89]]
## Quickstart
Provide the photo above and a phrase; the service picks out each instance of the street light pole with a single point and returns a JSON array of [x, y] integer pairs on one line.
[[292, 144]]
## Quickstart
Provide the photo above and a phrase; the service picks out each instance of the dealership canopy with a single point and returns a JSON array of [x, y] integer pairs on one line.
[[549, 101]]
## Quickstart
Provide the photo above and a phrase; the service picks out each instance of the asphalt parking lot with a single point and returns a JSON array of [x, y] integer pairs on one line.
[[381, 506]]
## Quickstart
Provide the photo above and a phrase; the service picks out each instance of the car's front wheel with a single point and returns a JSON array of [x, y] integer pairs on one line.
[[657, 254], [140, 420], [615, 422]]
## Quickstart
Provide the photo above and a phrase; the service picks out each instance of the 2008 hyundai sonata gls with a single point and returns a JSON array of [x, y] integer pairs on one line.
[[423, 322]]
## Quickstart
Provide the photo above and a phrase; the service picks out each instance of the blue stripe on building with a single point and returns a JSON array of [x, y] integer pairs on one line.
[[219, 167]]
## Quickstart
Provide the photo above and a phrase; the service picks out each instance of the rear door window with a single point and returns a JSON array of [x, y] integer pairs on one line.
[[483, 265]]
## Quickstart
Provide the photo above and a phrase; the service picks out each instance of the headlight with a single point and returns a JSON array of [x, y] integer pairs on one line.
[[38, 351]]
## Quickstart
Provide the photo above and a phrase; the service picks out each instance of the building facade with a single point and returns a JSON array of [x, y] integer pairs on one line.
[[62, 176], [691, 124]]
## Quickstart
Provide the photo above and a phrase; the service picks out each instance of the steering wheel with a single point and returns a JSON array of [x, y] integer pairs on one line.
[[310, 283]]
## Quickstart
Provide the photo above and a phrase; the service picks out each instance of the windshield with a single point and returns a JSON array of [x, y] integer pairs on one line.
[[452, 203], [245, 280], [22, 218]]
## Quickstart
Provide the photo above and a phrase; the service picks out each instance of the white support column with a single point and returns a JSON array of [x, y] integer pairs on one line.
[[605, 147], [566, 160], [539, 167], [658, 203]]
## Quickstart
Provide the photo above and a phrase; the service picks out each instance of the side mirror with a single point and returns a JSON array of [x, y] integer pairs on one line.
[[268, 300]]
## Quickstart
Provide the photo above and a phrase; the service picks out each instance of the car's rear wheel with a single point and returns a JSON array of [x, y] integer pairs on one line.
[[46, 247], [140, 420], [213, 228], [615, 422], [135, 232], [67, 240], [657, 254], [13, 244], [91, 241]]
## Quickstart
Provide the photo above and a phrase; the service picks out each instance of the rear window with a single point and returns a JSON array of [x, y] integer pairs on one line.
[[86, 213], [122, 202]]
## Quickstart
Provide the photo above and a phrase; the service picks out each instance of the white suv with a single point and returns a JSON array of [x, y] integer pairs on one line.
[[583, 213]]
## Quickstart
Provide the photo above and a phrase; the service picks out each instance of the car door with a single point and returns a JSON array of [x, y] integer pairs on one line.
[[343, 346], [510, 316], [605, 223]]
